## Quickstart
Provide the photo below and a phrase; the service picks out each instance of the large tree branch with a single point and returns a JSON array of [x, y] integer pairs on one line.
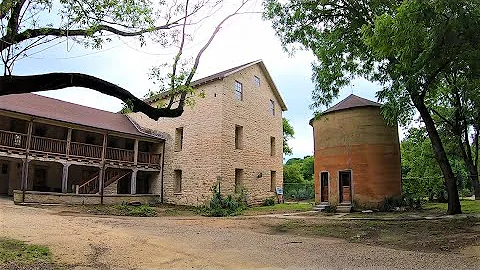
[[6, 42], [54, 81], [203, 49]]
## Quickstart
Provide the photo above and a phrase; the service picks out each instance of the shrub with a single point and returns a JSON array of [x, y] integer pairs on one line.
[[406, 201], [330, 209], [269, 202], [466, 193], [137, 211], [222, 207]]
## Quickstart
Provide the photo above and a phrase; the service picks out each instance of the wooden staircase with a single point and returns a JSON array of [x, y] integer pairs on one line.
[[92, 186]]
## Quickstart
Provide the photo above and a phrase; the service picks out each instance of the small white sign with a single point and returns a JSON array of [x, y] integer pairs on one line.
[[279, 190]]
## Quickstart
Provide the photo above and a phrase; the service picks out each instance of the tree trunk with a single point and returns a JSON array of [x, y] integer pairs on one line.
[[469, 163], [54, 81], [441, 157]]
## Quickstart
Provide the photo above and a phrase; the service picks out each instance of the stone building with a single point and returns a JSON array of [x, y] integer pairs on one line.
[[357, 155], [232, 136], [56, 151]]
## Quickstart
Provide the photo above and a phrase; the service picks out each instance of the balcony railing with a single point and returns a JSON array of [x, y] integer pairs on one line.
[[149, 158], [120, 154], [48, 145], [85, 150], [13, 140]]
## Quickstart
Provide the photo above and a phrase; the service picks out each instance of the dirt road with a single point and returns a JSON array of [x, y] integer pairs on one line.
[[170, 242]]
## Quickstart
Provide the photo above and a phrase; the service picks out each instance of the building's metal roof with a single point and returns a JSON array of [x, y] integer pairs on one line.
[[222, 74], [49, 108], [352, 101]]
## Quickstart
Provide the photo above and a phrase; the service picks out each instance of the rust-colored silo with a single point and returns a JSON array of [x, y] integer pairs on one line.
[[357, 155]]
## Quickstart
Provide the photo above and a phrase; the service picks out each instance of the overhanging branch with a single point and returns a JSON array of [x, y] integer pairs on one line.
[[54, 81]]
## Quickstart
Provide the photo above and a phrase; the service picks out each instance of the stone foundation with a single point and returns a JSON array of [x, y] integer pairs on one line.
[[69, 198]]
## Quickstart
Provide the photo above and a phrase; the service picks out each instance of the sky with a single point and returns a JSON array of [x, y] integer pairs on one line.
[[242, 39]]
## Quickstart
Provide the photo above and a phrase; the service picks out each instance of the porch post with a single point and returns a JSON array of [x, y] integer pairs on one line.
[[26, 161], [133, 182], [65, 177], [69, 140], [24, 183], [135, 155], [101, 180]]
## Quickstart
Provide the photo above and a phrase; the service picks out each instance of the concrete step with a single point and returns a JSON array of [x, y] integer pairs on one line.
[[344, 208], [320, 207]]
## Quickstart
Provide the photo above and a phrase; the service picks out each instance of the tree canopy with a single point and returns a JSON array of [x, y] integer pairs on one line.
[[26, 24], [288, 134], [410, 47]]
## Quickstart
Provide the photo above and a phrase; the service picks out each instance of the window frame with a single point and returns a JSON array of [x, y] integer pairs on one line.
[[272, 107], [238, 137], [238, 87], [239, 175], [178, 185], [273, 146], [179, 139], [256, 80], [273, 181]]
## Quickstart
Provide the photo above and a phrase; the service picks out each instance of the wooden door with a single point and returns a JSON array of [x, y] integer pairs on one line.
[[345, 179], [324, 186]]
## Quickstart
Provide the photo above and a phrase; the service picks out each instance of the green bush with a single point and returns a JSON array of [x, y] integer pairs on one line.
[[407, 201], [137, 211], [222, 207], [466, 193], [330, 209], [269, 202]]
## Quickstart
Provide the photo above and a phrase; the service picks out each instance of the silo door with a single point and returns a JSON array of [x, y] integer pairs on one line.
[[324, 186], [345, 179]]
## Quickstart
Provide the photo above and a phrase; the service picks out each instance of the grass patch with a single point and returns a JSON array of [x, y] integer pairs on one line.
[[279, 208], [424, 235], [468, 207], [16, 254], [121, 210]]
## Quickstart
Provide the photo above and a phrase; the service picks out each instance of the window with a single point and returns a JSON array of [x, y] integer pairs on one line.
[[272, 146], [272, 107], [238, 180], [238, 90], [257, 80], [273, 180], [178, 181], [238, 137], [179, 139]]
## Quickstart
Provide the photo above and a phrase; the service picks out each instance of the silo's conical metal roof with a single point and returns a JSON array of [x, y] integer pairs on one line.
[[352, 101]]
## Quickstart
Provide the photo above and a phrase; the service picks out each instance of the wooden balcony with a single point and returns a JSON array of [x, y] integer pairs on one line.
[[149, 158], [49, 146], [13, 140], [120, 154], [86, 150]]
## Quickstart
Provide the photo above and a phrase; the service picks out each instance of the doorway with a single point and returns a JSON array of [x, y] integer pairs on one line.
[[40, 179], [324, 186], [345, 179]]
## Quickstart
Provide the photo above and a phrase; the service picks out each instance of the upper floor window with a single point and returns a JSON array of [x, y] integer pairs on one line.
[[256, 80], [179, 139], [272, 107], [238, 137], [238, 90], [272, 146]]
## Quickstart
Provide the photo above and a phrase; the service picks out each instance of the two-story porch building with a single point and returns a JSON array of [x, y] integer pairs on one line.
[[56, 151]]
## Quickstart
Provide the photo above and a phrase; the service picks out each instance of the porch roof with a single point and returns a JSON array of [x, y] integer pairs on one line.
[[54, 109]]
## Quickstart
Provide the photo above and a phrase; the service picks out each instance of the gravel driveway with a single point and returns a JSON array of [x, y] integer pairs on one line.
[[196, 242]]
